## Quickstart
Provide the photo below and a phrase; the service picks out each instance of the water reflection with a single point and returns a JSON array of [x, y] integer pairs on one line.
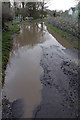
[[30, 35], [23, 71]]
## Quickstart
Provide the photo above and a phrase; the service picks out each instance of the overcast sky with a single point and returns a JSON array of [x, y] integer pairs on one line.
[[61, 4], [57, 4]]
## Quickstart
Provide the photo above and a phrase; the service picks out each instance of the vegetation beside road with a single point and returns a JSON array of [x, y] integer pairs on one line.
[[39, 20], [7, 45], [70, 38], [67, 24]]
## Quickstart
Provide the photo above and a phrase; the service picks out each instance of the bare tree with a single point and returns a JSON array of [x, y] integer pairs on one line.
[[44, 4], [31, 9]]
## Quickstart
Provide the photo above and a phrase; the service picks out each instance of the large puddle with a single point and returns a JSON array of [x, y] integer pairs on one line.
[[23, 71]]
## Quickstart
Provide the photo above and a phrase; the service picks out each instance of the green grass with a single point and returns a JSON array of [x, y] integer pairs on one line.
[[38, 20], [32, 21], [7, 45], [70, 38], [16, 22]]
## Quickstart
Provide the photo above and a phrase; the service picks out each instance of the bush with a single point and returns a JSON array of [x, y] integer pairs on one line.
[[66, 24]]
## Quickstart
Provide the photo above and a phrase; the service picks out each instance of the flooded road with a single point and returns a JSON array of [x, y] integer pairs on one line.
[[23, 73]]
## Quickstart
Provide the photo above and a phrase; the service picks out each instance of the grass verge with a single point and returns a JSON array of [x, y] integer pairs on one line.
[[70, 38], [7, 45], [38, 20]]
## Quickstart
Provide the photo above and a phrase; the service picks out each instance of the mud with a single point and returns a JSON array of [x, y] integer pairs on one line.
[[60, 81], [13, 109]]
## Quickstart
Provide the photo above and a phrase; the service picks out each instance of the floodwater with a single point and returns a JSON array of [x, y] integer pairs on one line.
[[22, 80]]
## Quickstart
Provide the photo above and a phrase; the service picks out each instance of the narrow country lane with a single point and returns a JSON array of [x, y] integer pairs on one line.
[[41, 77]]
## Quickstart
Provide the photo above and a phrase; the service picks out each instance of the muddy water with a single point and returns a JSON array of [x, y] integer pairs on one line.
[[23, 71]]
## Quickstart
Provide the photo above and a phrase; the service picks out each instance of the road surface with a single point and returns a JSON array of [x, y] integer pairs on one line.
[[41, 77]]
